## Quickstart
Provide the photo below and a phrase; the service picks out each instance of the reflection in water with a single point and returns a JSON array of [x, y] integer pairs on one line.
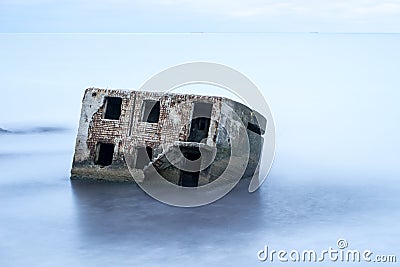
[[124, 212]]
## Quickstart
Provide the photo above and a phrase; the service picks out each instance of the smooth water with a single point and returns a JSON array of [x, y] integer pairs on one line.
[[335, 101], [47, 220]]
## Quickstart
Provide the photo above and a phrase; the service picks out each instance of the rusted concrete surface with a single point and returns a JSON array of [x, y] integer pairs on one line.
[[116, 122]]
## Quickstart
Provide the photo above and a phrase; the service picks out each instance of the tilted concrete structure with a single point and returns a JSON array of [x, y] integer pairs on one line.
[[150, 126]]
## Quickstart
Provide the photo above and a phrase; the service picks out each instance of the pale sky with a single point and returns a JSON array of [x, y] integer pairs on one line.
[[200, 16]]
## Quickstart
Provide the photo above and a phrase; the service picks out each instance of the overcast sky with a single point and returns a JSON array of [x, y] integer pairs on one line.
[[380, 16]]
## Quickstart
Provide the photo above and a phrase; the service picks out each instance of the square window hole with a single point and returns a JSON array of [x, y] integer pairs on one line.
[[104, 154], [151, 111], [112, 108]]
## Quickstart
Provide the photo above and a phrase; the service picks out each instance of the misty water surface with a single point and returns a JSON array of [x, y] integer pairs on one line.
[[336, 174], [47, 220]]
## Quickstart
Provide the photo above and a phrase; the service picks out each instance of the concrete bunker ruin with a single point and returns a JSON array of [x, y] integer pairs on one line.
[[154, 128]]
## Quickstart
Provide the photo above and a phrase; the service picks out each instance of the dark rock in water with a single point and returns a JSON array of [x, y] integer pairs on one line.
[[46, 130], [34, 130], [3, 131]]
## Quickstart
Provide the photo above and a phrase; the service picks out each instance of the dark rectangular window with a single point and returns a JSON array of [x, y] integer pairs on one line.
[[112, 108], [151, 111], [143, 157], [104, 154], [200, 123], [190, 178], [254, 128]]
